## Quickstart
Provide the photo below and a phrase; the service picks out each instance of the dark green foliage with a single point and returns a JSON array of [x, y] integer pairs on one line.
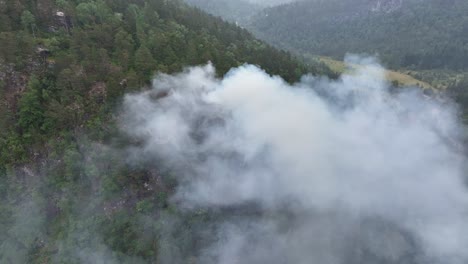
[[418, 34], [144, 62], [31, 110], [238, 11], [84, 59], [68, 193], [459, 91], [28, 21]]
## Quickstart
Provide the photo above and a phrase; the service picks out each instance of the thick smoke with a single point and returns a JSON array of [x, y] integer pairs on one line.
[[322, 171]]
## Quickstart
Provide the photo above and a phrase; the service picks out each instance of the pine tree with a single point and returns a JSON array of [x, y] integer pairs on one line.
[[144, 62], [31, 112], [28, 22]]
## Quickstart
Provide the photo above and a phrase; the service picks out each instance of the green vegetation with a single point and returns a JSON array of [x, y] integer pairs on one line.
[[238, 11], [66, 69], [425, 42], [415, 34], [68, 193], [397, 78]]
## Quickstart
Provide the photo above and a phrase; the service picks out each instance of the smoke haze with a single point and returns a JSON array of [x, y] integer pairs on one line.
[[271, 2], [322, 171]]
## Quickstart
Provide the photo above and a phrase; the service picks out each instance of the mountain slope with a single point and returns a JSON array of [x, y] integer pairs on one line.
[[403, 33], [68, 193], [397, 78], [110, 47], [236, 11]]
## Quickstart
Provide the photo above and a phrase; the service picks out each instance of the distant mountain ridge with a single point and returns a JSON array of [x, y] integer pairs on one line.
[[235, 11], [413, 34]]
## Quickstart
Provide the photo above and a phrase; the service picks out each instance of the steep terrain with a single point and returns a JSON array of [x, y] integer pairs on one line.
[[102, 162], [68, 193], [235, 11], [61, 59], [397, 78], [243, 13], [413, 34]]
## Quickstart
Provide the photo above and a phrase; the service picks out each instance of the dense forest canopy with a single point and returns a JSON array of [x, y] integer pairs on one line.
[[413, 34], [55, 56], [235, 11], [64, 67], [266, 172]]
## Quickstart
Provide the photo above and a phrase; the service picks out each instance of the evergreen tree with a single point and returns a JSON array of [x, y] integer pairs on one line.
[[31, 111], [144, 62], [28, 22]]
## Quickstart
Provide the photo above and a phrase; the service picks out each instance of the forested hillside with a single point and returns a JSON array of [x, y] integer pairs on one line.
[[236, 11], [68, 194], [56, 57], [102, 162], [412, 34]]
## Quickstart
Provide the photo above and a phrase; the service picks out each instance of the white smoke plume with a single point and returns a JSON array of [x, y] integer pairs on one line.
[[322, 171]]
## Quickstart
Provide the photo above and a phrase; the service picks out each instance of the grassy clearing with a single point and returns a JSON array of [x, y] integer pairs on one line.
[[392, 76]]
